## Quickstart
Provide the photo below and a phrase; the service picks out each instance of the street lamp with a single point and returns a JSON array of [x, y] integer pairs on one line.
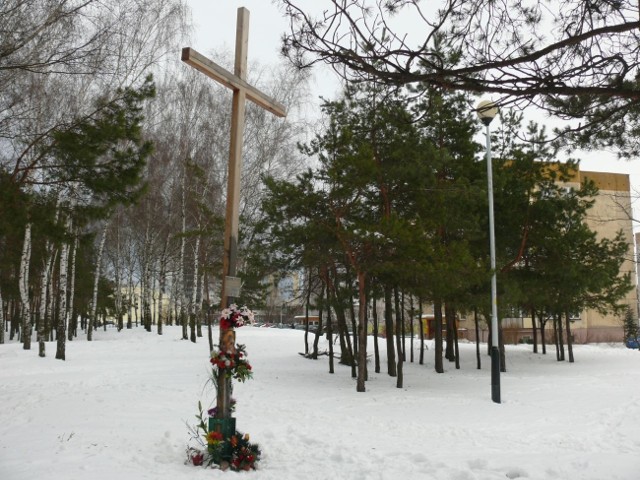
[[487, 111]]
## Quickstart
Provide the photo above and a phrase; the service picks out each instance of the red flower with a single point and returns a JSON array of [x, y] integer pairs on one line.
[[225, 324], [197, 459]]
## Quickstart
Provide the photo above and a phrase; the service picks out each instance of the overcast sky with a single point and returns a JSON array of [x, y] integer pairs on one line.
[[215, 23]]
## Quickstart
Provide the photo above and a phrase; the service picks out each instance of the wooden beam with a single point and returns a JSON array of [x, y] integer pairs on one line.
[[229, 80]]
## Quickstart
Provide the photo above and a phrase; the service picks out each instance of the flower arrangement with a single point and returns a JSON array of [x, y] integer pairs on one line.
[[234, 364], [242, 454], [219, 443], [234, 317]]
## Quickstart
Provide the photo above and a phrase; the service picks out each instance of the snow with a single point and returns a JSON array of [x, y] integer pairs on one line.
[[117, 407]]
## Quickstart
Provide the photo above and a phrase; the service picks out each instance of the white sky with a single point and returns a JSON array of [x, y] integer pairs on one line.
[[215, 22]]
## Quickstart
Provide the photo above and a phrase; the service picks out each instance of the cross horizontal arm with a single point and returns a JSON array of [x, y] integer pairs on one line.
[[229, 80]]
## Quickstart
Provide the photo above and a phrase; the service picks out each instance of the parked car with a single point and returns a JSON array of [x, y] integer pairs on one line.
[[633, 343]]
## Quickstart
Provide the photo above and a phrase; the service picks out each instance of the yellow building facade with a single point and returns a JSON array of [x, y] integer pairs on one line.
[[611, 212]]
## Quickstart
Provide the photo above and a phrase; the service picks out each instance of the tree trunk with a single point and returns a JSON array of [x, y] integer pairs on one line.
[[162, 281], [456, 347], [208, 313], [569, 340], [362, 330], [330, 333], [316, 339], [2, 318], [352, 312], [194, 292], [535, 330], [73, 322], [45, 295], [118, 280], [411, 320], [376, 347], [437, 306], [543, 340], [503, 358], [555, 337], [477, 327], [306, 314], [199, 312], [421, 322], [450, 317], [62, 303], [403, 329], [145, 293], [388, 326], [23, 282], [94, 302], [181, 294], [130, 300], [400, 376], [560, 337], [346, 357]]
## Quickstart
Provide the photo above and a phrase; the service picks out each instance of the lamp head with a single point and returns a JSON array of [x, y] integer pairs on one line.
[[486, 111]]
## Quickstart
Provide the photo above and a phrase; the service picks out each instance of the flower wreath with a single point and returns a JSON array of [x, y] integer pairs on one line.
[[234, 317], [235, 365]]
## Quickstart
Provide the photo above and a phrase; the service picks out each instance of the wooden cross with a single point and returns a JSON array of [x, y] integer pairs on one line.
[[242, 91]]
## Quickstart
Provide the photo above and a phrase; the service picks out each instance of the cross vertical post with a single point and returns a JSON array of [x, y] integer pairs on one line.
[[242, 91], [230, 259]]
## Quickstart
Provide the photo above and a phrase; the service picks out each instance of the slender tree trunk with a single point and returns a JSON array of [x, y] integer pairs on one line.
[[96, 279], [73, 321], [25, 260], [388, 326], [503, 358], [2, 318], [182, 293], [421, 322], [162, 281], [543, 340], [411, 320], [199, 312], [456, 347], [130, 299], [555, 335], [477, 327], [62, 303], [145, 291], [346, 357], [376, 347], [535, 331], [569, 340], [45, 294], [194, 292], [352, 312], [437, 306], [306, 313], [362, 330], [404, 329], [208, 312], [450, 319], [316, 339], [330, 333], [118, 280], [400, 376], [560, 337]]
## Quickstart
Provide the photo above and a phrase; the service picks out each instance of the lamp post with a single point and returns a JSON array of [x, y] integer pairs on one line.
[[487, 111]]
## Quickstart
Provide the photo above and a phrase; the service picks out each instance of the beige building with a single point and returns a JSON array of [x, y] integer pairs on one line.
[[611, 212]]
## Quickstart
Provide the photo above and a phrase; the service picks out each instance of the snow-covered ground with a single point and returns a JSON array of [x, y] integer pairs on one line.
[[116, 409]]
